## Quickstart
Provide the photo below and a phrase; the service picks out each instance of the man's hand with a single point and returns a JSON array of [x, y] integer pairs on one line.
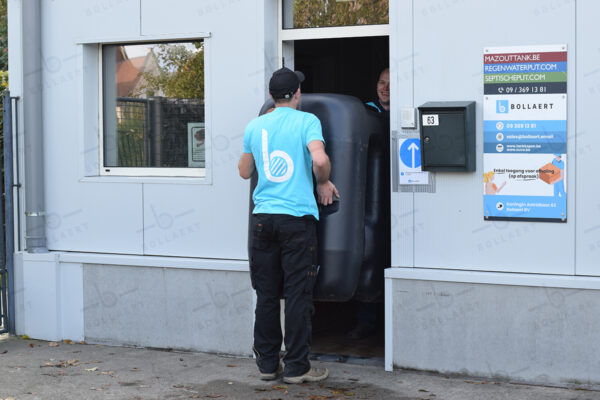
[[326, 191]]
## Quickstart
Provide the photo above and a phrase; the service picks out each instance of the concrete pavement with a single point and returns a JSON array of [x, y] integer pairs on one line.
[[32, 369]]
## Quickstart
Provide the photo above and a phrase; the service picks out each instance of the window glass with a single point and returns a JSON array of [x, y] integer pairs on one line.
[[324, 13], [153, 105]]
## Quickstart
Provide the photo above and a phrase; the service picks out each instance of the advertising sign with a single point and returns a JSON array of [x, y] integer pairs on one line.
[[525, 133]]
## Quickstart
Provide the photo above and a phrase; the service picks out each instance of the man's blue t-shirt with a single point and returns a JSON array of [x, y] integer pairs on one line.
[[278, 142]]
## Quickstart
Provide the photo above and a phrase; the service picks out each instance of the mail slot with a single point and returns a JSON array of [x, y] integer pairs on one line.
[[448, 136]]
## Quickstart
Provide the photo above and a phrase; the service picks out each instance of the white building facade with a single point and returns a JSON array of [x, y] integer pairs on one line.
[[158, 257]]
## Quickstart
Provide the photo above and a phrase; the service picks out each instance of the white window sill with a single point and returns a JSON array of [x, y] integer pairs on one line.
[[182, 180]]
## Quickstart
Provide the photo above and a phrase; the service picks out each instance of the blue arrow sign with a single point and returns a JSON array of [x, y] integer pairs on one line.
[[410, 154]]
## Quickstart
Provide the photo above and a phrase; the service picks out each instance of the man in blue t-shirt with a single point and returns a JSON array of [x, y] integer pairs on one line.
[[285, 147]]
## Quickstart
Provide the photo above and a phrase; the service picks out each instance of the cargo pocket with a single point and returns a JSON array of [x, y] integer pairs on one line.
[[260, 241], [311, 278]]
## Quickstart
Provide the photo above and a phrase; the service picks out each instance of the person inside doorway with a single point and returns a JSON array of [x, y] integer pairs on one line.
[[367, 313], [285, 147], [382, 104]]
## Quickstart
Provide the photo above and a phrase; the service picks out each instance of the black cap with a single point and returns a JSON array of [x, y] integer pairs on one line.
[[284, 83]]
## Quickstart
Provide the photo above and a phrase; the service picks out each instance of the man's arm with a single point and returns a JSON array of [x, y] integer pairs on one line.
[[321, 164], [321, 168], [246, 165]]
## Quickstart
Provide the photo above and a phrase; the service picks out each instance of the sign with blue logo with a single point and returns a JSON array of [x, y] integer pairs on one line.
[[410, 153], [409, 163], [525, 133], [502, 106]]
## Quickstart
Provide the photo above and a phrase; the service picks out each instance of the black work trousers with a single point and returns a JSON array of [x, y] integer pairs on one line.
[[283, 264]]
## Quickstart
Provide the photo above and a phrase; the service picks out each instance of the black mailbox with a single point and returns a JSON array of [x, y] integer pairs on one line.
[[447, 136]]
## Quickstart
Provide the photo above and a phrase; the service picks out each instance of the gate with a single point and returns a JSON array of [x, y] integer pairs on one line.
[[7, 308]]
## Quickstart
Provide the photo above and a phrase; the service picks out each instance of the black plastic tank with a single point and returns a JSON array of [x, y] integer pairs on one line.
[[353, 233]]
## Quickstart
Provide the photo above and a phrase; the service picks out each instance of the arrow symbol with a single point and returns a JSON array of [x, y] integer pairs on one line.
[[413, 147]]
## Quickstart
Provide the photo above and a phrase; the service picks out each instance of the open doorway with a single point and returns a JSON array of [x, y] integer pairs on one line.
[[345, 65], [348, 66]]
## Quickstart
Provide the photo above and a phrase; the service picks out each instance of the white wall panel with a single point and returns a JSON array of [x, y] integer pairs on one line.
[[213, 217], [93, 18], [95, 217], [449, 38], [402, 58], [189, 221], [587, 138]]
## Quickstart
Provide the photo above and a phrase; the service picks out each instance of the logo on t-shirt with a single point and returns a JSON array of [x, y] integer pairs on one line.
[[278, 165]]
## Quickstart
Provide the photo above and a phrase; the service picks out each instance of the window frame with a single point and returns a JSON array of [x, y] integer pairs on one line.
[[203, 174], [330, 32]]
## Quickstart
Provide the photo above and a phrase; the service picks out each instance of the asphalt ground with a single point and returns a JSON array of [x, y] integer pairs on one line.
[[33, 369]]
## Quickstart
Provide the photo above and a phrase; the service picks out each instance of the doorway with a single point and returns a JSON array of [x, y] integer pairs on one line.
[[348, 66], [343, 65]]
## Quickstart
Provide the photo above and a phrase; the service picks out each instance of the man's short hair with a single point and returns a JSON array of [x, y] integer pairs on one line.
[[284, 83]]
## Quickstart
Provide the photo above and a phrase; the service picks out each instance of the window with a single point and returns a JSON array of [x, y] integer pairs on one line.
[[300, 14], [153, 118]]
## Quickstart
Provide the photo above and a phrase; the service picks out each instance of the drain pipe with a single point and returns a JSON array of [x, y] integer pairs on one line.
[[35, 213]]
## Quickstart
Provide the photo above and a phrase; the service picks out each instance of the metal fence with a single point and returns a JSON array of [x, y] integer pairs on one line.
[[154, 132], [133, 132], [7, 308]]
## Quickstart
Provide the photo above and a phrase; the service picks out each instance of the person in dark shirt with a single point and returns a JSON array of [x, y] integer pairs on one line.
[[382, 104], [366, 313]]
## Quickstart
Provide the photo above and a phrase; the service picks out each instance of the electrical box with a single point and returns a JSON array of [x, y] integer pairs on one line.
[[448, 136]]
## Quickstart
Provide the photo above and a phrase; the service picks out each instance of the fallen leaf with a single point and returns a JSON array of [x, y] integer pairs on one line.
[[423, 390], [91, 369], [82, 342], [4, 352], [31, 345], [68, 341], [53, 344], [25, 337], [232, 365]]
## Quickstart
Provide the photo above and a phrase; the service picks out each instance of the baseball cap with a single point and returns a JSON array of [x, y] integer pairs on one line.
[[284, 83]]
